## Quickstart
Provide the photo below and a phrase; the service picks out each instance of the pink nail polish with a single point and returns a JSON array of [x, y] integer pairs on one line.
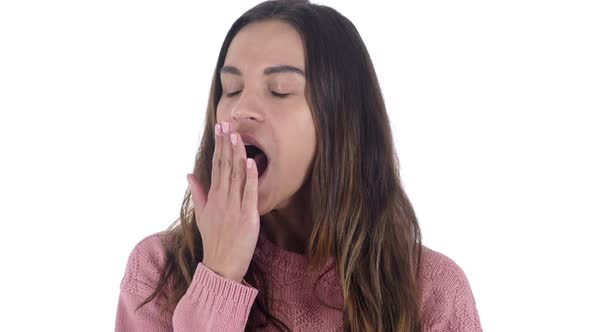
[[233, 138], [217, 129], [225, 126]]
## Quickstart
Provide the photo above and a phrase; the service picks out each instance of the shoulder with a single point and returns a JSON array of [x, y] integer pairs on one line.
[[439, 267], [448, 303], [144, 265]]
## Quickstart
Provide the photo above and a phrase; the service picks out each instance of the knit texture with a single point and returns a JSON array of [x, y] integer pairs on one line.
[[213, 303]]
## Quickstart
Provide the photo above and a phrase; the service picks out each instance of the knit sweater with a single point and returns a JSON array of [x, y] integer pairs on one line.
[[214, 303]]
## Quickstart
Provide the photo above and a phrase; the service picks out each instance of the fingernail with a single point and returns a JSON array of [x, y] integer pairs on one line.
[[233, 138], [217, 129], [249, 163], [225, 127]]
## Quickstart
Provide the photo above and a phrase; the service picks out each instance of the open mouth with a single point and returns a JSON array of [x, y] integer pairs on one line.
[[252, 151]]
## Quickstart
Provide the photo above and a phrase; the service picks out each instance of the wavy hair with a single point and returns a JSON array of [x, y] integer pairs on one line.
[[362, 216]]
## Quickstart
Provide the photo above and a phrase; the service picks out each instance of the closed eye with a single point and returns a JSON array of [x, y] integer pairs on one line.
[[280, 95], [276, 94]]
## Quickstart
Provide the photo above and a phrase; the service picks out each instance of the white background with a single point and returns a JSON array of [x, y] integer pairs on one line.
[[101, 111]]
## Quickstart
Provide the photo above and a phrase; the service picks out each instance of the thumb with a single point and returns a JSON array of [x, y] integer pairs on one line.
[[198, 194]]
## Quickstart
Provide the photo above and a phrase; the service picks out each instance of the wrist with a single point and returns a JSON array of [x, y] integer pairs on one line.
[[222, 274]]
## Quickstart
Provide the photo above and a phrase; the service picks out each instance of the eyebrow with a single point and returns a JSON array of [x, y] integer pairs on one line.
[[267, 71]]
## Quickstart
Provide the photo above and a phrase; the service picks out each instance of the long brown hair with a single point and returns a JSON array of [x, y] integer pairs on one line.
[[361, 213]]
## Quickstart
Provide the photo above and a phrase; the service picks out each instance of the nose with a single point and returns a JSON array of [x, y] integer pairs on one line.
[[244, 113], [240, 114]]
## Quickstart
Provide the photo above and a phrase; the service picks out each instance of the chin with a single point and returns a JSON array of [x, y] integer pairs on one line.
[[262, 208]]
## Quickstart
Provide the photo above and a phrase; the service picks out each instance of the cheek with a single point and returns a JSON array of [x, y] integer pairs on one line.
[[301, 143], [222, 111]]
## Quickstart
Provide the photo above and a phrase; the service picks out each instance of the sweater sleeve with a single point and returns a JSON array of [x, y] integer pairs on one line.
[[451, 306], [211, 303]]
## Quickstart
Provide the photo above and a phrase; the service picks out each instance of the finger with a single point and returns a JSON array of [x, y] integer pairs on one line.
[[226, 161], [216, 161], [238, 175], [250, 196], [198, 194]]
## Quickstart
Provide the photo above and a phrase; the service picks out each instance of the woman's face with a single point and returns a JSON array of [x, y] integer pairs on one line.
[[282, 125]]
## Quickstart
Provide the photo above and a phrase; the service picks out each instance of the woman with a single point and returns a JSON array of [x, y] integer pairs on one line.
[[298, 220]]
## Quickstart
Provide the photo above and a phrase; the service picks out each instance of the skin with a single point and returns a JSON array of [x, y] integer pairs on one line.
[[284, 126]]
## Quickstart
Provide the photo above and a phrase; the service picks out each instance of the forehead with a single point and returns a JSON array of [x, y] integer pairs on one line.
[[266, 43]]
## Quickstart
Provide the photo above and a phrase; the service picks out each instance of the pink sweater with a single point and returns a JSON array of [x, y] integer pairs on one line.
[[214, 303]]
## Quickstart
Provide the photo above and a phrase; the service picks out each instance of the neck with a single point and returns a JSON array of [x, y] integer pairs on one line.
[[289, 227]]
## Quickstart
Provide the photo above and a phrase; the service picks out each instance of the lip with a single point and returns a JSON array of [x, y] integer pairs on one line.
[[247, 139]]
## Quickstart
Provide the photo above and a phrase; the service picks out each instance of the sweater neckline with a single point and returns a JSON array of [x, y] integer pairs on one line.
[[276, 257]]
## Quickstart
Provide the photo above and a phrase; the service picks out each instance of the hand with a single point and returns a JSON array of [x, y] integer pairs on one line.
[[227, 217]]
